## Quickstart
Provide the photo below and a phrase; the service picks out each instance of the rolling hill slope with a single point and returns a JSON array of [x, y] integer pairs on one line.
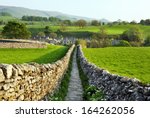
[[18, 12]]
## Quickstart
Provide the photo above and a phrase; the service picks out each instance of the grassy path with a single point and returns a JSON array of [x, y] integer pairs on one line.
[[75, 90]]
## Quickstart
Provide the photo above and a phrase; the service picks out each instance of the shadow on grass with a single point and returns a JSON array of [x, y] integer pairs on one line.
[[51, 56]]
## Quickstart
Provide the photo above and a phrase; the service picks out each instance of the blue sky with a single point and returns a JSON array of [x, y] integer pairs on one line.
[[110, 9]]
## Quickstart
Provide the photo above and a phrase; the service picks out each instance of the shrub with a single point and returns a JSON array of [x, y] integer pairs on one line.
[[99, 43], [93, 44], [135, 44], [53, 35], [132, 35], [147, 41], [123, 43], [82, 42]]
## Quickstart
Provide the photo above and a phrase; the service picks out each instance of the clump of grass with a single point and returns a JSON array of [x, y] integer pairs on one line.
[[93, 94]]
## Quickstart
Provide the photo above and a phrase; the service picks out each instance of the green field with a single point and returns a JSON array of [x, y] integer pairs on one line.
[[38, 26], [47, 55], [111, 30], [130, 62]]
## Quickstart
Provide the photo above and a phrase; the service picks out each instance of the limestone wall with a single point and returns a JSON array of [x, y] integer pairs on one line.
[[31, 81], [115, 87], [22, 45]]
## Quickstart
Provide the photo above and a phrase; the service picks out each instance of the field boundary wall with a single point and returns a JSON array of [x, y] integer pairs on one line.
[[31, 82]]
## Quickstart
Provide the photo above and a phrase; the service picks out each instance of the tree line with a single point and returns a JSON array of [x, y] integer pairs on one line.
[[130, 37], [67, 22], [145, 22]]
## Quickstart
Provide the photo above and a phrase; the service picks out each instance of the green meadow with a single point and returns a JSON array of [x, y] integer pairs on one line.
[[44, 55], [130, 62]]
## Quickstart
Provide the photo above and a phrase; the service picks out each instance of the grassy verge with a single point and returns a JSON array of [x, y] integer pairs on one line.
[[130, 62], [91, 93], [45, 55], [62, 91]]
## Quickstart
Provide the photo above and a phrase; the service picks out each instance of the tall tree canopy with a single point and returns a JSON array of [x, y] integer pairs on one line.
[[81, 23], [15, 30]]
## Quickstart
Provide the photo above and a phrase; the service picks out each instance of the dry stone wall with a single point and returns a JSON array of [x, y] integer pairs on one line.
[[22, 45], [114, 87], [31, 81]]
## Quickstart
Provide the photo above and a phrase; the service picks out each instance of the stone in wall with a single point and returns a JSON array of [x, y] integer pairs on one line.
[[2, 77]]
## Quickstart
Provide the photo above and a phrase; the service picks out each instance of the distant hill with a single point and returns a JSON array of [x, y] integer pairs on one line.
[[104, 21], [18, 12]]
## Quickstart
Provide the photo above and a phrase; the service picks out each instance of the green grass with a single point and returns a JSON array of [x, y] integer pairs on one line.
[[131, 62], [45, 55], [111, 30]]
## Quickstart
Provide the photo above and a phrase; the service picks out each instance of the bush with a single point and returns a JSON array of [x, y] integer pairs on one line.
[[123, 43], [99, 43], [93, 44], [132, 35], [135, 44], [53, 35], [147, 41], [82, 42]]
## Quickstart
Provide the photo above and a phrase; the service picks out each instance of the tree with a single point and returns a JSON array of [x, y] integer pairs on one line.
[[41, 34], [53, 35], [15, 30], [101, 39], [67, 22], [82, 42], [94, 23], [102, 34], [133, 34], [63, 27], [142, 22], [81, 23], [133, 22], [145, 22], [47, 31], [34, 18]]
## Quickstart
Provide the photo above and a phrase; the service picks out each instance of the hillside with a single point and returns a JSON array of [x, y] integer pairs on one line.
[[18, 12]]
